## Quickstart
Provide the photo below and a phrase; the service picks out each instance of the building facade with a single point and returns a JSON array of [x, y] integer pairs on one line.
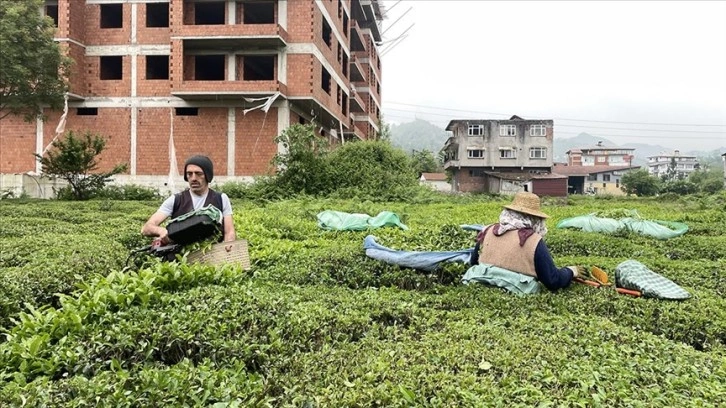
[[165, 79], [597, 179], [498, 155], [681, 165], [600, 155]]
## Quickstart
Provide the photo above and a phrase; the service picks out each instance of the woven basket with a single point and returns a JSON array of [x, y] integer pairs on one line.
[[217, 255]]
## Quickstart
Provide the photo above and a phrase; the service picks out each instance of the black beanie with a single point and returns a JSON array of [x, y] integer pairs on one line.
[[204, 163]]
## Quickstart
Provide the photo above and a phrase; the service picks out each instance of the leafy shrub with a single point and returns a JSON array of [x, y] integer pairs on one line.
[[74, 159], [128, 192]]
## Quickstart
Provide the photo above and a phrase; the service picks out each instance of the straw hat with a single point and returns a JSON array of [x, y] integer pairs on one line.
[[526, 203]]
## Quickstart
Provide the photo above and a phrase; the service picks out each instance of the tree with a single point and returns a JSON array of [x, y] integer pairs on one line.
[[423, 161], [33, 68], [639, 182], [302, 167], [74, 160]]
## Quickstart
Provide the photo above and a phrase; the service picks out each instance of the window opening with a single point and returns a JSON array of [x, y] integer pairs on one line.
[[186, 111], [327, 32], [325, 82], [211, 13], [87, 111], [51, 10], [259, 13], [157, 14], [111, 68], [259, 67], [157, 67], [112, 15], [209, 67]]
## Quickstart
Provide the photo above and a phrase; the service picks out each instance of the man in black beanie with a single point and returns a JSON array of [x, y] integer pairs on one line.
[[198, 172]]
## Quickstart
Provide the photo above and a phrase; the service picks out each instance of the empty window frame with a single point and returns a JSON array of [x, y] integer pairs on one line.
[[475, 153], [112, 15], [592, 177], [186, 111], [258, 67], [325, 80], [51, 10], [262, 12], [507, 153], [507, 130], [157, 14], [327, 33], [605, 177], [157, 67], [209, 67], [537, 152], [87, 111], [111, 67], [537, 130], [209, 13], [475, 130]]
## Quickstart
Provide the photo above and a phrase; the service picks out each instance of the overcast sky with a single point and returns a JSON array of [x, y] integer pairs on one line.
[[590, 66]]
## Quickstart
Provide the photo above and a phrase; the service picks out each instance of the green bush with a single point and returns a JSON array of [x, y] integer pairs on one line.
[[128, 192]]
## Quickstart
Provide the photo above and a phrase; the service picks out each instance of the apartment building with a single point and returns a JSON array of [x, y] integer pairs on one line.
[[165, 79], [600, 155], [502, 156], [660, 164]]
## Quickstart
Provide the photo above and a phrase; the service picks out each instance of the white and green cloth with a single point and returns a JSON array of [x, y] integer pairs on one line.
[[634, 275]]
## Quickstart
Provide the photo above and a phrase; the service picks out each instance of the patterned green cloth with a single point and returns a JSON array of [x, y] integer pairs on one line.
[[634, 275]]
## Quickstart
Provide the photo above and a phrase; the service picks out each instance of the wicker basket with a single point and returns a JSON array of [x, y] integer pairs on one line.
[[217, 255]]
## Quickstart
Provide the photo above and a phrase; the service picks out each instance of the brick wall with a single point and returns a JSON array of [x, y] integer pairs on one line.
[[300, 28], [17, 145], [466, 183], [149, 87], [95, 35], [77, 79], [152, 141], [149, 35], [113, 124], [254, 143], [204, 134], [95, 86]]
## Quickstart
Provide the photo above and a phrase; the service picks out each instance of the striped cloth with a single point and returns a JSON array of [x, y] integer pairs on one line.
[[634, 275]]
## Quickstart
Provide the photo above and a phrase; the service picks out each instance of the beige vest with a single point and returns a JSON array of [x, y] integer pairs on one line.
[[504, 251]]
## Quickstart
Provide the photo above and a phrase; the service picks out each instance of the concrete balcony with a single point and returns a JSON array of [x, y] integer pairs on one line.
[[227, 89], [232, 37]]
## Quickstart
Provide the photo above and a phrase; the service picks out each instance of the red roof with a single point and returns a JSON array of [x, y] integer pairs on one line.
[[586, 170], [434, 176]]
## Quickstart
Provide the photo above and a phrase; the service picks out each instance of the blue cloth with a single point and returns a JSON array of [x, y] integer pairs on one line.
[[427, 261]]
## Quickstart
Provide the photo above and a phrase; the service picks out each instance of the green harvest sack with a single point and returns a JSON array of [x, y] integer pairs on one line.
[[634, 275], [340, 221], [514, 282], [632, 222]]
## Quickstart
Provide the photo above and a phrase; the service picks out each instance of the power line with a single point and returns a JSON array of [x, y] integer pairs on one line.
[[574, 120], [581, 126], [611, 135]]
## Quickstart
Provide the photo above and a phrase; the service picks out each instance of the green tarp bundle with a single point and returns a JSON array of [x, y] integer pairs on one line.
[[341, 221], [631, 222]]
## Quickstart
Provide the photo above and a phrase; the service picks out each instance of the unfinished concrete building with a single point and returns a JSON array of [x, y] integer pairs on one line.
[[165, 79]]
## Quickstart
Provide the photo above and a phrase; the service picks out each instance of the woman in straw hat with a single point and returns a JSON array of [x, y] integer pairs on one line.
[[515, 244]]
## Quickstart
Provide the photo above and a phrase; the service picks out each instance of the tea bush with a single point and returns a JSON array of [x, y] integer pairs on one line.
[[316, 323]]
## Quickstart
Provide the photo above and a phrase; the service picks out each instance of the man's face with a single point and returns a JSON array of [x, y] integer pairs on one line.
[[196, 179]]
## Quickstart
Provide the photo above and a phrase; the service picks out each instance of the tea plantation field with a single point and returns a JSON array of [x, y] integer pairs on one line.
[[316, 323]]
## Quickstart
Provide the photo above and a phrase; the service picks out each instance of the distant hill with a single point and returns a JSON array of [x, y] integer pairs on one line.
[[418, 135], [423, 135]]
